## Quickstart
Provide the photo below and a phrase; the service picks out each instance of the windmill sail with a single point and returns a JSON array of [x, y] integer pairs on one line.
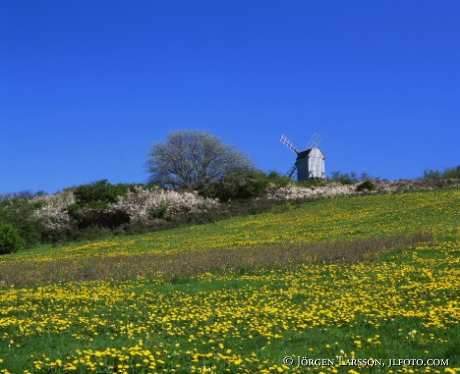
[[314, 141], [289, 144]]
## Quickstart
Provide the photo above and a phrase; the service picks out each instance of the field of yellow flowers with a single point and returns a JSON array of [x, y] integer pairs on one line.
[[397, 312]]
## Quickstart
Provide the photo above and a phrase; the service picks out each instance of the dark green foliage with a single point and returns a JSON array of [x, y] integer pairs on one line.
[[252, 184], [344, 178], [365, 176], [239, 186], [351, 178], [278, 179], [448, 173], [366, 186], [19, 213], [432, 174], [89, 214], [452, 173], [10, 240], [159, 211], [100, 191], [96, 214], [244, 185], [91, 201]]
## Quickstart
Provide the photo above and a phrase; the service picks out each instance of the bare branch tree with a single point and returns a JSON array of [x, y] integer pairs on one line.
[[194, 160]]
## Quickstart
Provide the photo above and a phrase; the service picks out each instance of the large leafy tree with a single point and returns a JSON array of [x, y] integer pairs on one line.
[[194, 160]]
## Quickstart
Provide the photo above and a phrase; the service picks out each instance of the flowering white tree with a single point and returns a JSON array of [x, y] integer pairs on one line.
[[53, 216], [140, 203]]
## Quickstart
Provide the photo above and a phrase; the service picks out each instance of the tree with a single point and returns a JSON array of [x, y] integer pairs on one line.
[[194, 160], [20, 214], [10, 240]]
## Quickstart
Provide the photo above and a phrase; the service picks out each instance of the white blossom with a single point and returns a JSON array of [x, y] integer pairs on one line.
[[140, 202]]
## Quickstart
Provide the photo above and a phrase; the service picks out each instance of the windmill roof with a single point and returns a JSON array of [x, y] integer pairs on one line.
[[307, 152]]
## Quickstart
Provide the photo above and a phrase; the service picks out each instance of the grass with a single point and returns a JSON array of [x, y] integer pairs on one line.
[[333, 219], [174, 265], [362, 277]]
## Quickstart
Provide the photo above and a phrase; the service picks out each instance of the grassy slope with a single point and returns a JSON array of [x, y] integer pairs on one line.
[[403, 305], [344, 217]]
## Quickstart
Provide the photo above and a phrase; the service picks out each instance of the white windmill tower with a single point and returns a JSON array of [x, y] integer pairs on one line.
[[309, 163]]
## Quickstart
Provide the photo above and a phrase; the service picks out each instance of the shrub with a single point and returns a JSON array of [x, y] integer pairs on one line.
[[366, 186], [452, 173], [432, 174], [142, 204], [298, 192], [366, 176], [10, 240], [54, 223], [252, 184], [448, 173], [92, 201], [239, 186], [20, 214], [159, 211], [101, 191], [344, 178], [278, 179]]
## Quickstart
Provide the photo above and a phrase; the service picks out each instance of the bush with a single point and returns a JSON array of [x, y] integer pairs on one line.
[[278, 179], [239, 186], [142, 204], [54, 223], [92, 201], [366, 186], [432, 174], [344, 178], [100, 191], [452, 173], [252, 184], [20, 214], [448, 173], [159, 211], [10, 240]]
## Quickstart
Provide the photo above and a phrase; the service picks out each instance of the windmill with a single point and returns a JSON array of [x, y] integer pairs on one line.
[[309, 163]]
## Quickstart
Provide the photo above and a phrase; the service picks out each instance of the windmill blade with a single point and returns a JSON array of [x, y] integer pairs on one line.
[[314, 141], [292, 171], [289, 144]]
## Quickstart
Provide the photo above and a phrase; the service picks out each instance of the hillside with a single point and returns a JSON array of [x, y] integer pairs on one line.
[[267, 293]]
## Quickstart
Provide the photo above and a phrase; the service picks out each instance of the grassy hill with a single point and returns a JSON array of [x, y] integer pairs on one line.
[[370, 277]]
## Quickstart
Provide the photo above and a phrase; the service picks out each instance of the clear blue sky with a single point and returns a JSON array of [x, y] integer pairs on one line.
[[86, 86]]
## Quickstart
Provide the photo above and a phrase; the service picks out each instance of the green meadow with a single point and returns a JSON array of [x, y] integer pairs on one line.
[[364, 284]]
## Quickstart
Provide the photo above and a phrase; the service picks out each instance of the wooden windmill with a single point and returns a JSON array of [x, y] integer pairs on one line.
[[309, 163]]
